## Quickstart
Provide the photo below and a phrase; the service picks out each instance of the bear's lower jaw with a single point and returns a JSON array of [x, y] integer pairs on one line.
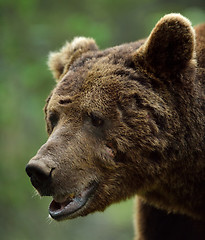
[[73, 205]]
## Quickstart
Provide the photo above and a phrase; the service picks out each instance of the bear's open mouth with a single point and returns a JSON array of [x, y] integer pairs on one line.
[[70, 207]]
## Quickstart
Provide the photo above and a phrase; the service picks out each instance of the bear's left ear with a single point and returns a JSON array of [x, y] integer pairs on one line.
[[58, 61], [168, 49]]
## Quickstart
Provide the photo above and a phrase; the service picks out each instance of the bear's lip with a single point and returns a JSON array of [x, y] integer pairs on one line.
[[70, 208]]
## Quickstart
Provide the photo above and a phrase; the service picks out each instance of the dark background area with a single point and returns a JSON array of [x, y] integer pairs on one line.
[[29, 29]]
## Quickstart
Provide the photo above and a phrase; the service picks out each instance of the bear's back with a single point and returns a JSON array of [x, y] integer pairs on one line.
[[200, 45]]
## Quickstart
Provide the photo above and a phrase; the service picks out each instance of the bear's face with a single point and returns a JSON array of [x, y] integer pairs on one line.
[[93, 140], [109, 119]]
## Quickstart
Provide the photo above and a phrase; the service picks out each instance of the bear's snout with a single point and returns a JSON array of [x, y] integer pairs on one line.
[[40, 175]]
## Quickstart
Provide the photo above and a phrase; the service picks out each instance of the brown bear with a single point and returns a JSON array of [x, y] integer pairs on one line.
[[125, 121]]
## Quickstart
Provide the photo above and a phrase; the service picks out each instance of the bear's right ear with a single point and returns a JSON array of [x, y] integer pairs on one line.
[[57, 61]]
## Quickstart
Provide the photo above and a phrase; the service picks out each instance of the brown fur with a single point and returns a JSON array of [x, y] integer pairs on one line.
[[130, 120]]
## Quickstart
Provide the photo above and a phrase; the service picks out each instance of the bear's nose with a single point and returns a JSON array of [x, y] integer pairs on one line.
[[40, 176]]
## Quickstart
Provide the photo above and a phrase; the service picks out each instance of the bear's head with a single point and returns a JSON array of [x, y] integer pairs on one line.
[[111, 119]]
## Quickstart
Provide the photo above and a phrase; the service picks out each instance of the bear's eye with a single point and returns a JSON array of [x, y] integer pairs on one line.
[[53, 119], [96, 121]]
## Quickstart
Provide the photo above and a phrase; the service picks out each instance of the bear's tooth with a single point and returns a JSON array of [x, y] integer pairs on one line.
[[71, 196]]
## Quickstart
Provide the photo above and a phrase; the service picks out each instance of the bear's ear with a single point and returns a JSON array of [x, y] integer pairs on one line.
[[57, 61], [168, 49]]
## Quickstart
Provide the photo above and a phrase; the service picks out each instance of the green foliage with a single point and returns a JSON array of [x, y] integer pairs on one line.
[[29, 29]]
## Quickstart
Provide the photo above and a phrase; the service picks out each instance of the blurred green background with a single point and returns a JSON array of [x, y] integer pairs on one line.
[[29, 29]]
